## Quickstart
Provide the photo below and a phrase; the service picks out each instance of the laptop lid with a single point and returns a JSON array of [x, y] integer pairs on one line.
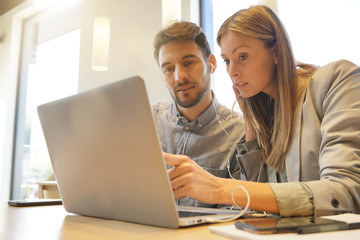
[[106, 156]]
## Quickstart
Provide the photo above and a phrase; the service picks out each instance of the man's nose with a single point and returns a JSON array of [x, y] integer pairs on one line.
[[180, 74]]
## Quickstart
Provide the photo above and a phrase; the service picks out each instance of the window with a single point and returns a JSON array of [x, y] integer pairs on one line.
[[320, 31], [49, 71], [222, 84]]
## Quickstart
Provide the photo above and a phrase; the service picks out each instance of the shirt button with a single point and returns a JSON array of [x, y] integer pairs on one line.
[[187, 128], [200, 125], [335, 203], [243, 152]]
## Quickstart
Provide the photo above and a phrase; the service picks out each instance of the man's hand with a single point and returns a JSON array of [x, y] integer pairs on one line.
[[188, 179]]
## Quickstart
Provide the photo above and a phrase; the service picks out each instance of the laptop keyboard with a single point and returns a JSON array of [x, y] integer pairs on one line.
[[193, 214]]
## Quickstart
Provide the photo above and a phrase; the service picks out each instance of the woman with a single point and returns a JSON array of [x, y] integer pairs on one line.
[[302, 126]]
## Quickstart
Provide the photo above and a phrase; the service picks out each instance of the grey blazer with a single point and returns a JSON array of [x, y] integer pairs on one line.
[[325, 149]]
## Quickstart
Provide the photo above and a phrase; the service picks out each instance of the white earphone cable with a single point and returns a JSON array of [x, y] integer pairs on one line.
[[242, 213], [228, 168]]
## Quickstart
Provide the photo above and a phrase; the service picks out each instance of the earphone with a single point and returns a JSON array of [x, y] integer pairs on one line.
[[245, 209], [211, 68]]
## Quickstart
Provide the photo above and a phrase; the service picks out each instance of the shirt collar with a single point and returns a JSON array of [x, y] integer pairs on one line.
[[203, 119]]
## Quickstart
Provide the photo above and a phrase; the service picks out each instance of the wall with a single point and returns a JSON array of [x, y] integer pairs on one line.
[[7, 5], [133, 26]]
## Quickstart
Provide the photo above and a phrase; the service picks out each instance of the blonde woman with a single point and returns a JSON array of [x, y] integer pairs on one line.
[[300, 155]]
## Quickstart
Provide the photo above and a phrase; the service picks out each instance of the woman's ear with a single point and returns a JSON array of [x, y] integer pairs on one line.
[[275, 55]]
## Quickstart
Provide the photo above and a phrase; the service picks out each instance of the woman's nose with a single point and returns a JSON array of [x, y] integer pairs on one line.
[[233, 70]]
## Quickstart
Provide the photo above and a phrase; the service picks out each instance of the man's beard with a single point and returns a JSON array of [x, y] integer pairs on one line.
[[187, 103]]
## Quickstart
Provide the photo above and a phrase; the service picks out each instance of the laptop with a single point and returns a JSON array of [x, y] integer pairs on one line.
[[107, 159]]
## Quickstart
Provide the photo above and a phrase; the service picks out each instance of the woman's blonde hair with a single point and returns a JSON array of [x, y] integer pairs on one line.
[[271, 119]]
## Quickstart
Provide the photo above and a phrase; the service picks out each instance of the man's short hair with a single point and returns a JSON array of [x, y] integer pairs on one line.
[[181, 31]]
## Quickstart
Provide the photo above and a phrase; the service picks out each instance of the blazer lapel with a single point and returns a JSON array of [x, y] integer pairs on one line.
[[294, 152]]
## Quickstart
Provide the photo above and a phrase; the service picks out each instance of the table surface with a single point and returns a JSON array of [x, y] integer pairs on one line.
[[53, 222]]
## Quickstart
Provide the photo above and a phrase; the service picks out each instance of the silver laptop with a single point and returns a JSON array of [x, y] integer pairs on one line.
[[107, 158]]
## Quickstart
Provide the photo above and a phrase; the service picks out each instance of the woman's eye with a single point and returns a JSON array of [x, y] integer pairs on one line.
[[243, 57], [226, 61]]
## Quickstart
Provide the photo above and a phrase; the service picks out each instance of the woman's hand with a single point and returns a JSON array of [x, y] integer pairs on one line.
[[239, 98], [249, 132], [188, 179]]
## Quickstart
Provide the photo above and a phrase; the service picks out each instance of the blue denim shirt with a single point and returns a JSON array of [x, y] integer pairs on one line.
[[210, 140]]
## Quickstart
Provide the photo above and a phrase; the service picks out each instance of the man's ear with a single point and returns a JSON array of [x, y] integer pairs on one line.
[[212, 63]]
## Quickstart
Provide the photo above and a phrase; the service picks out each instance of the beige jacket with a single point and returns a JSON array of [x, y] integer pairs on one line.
[[325, 150]]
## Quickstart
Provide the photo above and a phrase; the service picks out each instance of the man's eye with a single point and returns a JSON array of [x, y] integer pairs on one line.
[[168, 69], [188, 63]]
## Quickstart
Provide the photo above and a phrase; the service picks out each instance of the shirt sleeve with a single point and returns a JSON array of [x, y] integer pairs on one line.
[[293, 198]]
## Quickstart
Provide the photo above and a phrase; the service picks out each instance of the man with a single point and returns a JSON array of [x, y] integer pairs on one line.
[[193, 123]]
